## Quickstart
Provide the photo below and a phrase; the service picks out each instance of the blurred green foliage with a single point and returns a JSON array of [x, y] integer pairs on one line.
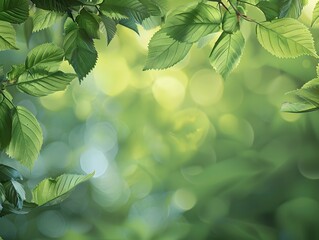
[[178, 154]]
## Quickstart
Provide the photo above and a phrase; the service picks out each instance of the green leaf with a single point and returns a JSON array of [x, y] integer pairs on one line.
[[89, 22], [15, 193], [230, 21], [298, 107], [26, 138], [56, 5], [16, 71], [91, 2], [290, 8], [317, 70], [43, 19], [10, 208], [53, 191], [227, 52], [41, 83], [120, 9], [271, 9], [5, 123], [286, 38], [8, 173], [315, 14], [110, 28], [79, 51], [164, 52], [129, 23], [192, 25], [45, 56], [14, 11], [2, 195], [7, 36]]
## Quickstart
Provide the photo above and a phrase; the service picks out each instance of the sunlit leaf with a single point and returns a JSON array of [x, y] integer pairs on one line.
[[192, 25], [53, 191], [44, 56], [298, 107], [7, 36], [227, 52], [286, 38], [26, 139], [43, 19], [230, 21], [41, 83], [315, 14], [14, 11], [164, 52]]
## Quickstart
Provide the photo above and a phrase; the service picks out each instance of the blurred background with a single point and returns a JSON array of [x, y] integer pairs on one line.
[[177, 154]]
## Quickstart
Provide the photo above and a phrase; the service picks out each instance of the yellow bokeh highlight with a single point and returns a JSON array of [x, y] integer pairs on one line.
[[184, 199], [112, 77], [55, 101], [169, 92], [206, 87]]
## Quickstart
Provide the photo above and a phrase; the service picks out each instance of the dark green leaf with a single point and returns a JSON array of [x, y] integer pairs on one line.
[[89, 22], [129, 23], [270, 9], [120, 9], [8, 173], [53, 191], [79, 51], [56, 5], [190, 26], [110, 28], [14, 11], [164, 52], [26, 139], [5, 123], [10, 208], [15, 193], [7, 36]]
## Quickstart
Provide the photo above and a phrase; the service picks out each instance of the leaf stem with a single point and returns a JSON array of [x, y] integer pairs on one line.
[[243, 16]]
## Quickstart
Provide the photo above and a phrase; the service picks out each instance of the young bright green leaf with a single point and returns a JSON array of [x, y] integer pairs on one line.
[[5, 124], [110, 28], [290, 8], [89, 22], [8, 173], [164, 52], [120, 9], [79, 51], [41, 83], [192, 25], [230, 22], [227, 52], [44, 56], [43, 19], [26, 139], [7, 36], [53, 191], [15, 193], [271, 9], [286, 38], [315, 14], [14, 11]]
